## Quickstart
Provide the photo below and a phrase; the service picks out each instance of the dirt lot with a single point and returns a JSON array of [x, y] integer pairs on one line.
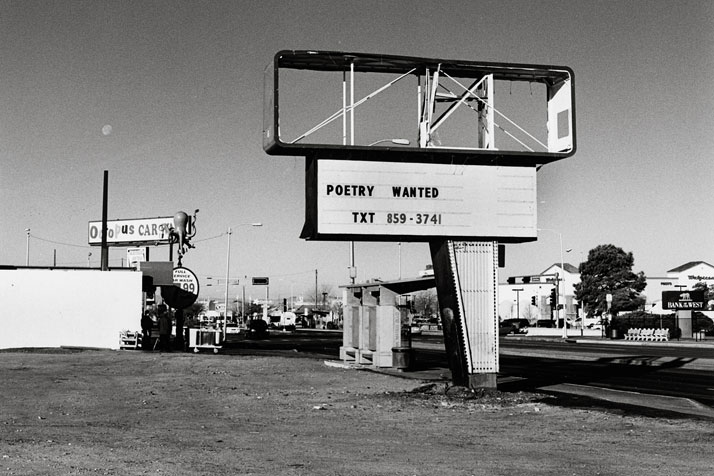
[[130, 412]]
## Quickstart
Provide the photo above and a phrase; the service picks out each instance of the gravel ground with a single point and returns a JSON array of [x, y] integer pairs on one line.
[[68, 412]]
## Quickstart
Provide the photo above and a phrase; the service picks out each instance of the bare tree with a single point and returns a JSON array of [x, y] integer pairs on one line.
[[426, 303], [531, 313]]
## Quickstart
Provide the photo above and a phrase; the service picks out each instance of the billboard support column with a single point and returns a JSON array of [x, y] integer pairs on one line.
[[685, 324], [467, 285]]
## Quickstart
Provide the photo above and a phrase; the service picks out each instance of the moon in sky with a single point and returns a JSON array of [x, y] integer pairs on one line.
[[106, 130]]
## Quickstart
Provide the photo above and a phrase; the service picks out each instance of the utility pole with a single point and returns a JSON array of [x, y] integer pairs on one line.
[[228, 270], [105, 200]]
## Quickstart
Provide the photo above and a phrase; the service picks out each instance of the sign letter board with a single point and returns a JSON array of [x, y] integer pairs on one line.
[[353, 200], [261, 281]]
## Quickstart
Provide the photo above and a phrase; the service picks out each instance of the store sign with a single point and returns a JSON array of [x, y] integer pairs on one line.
[[683, 300], [134, 231], [382, 199]]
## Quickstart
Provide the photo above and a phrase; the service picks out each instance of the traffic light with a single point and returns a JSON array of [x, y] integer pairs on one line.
[[511, 280], [553, 298], [533, 301], [526, 279]]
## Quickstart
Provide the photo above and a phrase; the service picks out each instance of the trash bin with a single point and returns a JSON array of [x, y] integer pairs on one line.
[[613, 333], [402, 357]]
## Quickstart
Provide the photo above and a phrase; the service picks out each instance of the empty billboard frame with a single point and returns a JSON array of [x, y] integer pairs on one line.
[[363, 106]]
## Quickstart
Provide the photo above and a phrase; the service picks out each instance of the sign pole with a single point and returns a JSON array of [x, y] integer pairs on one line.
[[467, 288]]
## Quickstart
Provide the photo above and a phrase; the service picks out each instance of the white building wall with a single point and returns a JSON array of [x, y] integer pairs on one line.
[[701, 272], [55, 308], [508, 309]]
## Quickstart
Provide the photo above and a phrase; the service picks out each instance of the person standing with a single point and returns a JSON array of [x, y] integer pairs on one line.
[[164, 332], [146, 324]]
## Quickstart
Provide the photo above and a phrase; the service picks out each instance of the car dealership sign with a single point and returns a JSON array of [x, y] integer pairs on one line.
[[134, 231]]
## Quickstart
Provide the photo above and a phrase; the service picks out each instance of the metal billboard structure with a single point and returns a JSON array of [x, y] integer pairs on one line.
[[402, 148], [450, 111]]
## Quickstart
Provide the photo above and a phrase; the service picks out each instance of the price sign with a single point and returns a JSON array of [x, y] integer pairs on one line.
[[185, 279], [184, 292]]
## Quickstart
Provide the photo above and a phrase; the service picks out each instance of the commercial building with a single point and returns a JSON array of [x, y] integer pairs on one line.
[[529, 297]]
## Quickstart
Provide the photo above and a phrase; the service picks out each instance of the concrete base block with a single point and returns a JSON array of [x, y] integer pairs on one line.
[[485, 380], [348, 354]]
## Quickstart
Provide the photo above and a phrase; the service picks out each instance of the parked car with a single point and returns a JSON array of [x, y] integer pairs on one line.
[[515, 326], [552, 324], [257, 328]]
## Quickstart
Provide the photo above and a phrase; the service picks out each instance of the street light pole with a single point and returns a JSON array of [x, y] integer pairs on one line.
[[396, 141], [561, 290], [27, 252], [242, 304], [400, 260], [228, 269]]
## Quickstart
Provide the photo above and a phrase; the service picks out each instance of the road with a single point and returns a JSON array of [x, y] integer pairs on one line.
[[614, 371], [679, 375], [655, 378]]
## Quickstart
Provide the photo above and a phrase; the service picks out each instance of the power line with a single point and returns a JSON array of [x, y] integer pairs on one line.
[[210, 238], [59, 242]]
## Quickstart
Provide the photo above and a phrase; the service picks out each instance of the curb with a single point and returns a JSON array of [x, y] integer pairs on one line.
[[708, 344]]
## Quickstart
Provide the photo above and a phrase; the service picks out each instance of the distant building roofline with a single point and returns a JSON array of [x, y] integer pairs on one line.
[[569, 268], [687, 266]]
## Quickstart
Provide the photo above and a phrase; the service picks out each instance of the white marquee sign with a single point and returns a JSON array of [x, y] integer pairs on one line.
[[124, 232], [427, 200]]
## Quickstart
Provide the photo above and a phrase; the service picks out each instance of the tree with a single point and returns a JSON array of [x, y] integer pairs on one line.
[[318, 294], [426, 302], [195, 309], [708, 293], [530, 312], [608, 270]]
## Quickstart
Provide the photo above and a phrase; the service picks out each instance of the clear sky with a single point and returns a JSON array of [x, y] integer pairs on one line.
[[180, 84]]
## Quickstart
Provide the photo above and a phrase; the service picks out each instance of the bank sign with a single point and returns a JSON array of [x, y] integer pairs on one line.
[[132, 232], [356, 199], [683, 300]]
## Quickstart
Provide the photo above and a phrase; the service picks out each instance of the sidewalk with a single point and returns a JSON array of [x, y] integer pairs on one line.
[[573, 338], [435, 372]]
